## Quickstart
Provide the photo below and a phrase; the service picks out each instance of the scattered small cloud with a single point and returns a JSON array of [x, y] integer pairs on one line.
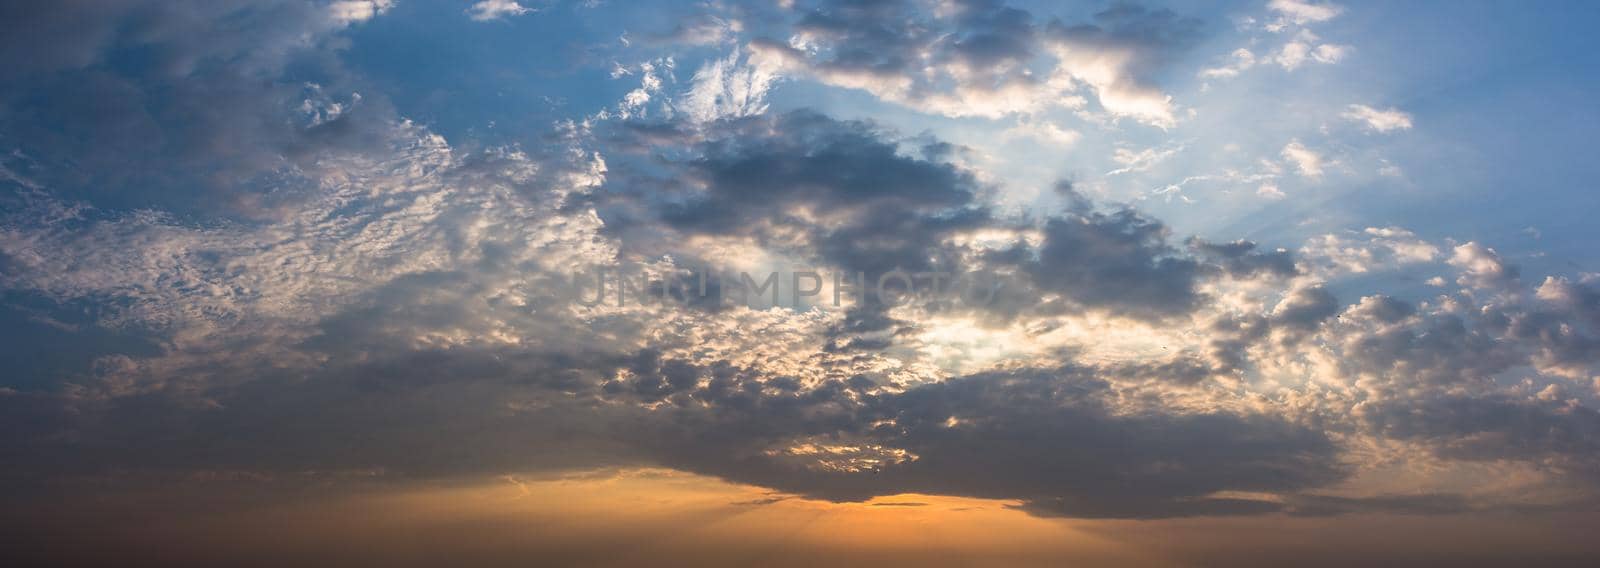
[[1380, 120], [489, 10], [1302, 13], [1305, 47], [1306, 162], [352, 11], [1243, 59], [1141, 160]]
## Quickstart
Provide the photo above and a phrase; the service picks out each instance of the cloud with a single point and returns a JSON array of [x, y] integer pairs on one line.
[[265, 337], [1498, 427], [732, 87], [1043, 131], [490, 10], [971, 62], [981, 58], [351, 11], [218, 111], [1295, 53], [1299, 48], [1305, 308], [838, 194], [702, 29], [1241, 259], [1580, 298], [1305, 12], [1141, 160], [1482, 267], [1118, 54], [1305, 161], [1119, 261], [1330, 53], [1378, 120], [1373, 249], [445, 252], [984, 457], [396, 305], [1243, 60], [833, 194]]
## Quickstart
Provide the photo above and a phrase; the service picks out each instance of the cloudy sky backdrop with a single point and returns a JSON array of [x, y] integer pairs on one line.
[[1285, 281]]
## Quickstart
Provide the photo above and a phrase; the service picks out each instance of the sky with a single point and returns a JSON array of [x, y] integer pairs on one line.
[[1265, 282]]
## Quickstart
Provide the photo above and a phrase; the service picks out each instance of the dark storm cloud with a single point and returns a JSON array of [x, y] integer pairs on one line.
[[1241, 259], [854, 199], [871, 207], [1044, 436], [1156, 476], [1495, 427], [983, 58], [1383, 309], [402, 415], [887, 201], [877, 37], [1435, 348], [1563, 343], [1048, 437], [1582, 298], [1232, 338], [992, 34], [1158, 35], [861, 204], [1305, 309], [1437, 375], [890, 37], [1120, 261], [1183, 369]]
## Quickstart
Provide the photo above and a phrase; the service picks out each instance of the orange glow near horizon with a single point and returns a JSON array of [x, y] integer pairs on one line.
[[659, 517], [668, 514]]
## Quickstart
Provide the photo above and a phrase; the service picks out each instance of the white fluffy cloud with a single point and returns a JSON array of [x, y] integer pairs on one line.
[[496, 9], [1306, 47], [1307, 162], [1243, 59], [1482, 267], [1303, 13], [1374, 249], [351, 11], [1379, 120], [1301, 47]]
